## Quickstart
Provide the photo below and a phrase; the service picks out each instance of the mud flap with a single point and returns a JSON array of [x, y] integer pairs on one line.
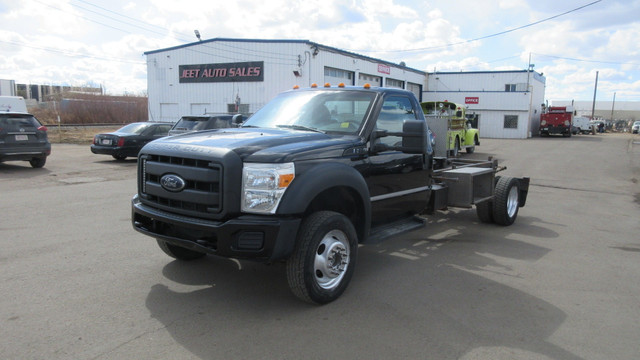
[[524, 191]]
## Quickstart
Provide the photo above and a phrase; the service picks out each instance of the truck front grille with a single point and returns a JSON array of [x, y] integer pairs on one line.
[[201, 195]]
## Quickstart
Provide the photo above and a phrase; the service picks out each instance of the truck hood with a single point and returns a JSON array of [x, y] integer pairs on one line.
[[255, 144]]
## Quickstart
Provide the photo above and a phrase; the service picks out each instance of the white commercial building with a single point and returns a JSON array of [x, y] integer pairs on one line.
[[508, 103], [240, 75]]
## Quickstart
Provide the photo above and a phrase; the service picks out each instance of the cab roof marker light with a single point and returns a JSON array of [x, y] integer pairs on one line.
[[367, 86], [314, 85], [341, 85], [327, 85], [296, 87]]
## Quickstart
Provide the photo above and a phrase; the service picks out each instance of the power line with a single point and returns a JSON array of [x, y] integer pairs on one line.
[[587, 60], [486, 36], [213, 48], [72, 54]]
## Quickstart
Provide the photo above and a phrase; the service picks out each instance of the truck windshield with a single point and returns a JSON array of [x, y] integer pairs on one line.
[[316, 110]]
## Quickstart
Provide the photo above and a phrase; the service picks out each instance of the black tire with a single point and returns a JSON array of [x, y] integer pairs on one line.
[[119, 157], [37, 163], [484, 210], [470, 149], [506, 201], [324, 258], [178, 252], [456, 148]]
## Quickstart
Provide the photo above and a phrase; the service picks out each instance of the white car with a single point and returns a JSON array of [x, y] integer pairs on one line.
[[635, 128]]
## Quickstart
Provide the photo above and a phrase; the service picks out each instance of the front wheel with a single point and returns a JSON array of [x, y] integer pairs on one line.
[[456, 148], [324, 257]]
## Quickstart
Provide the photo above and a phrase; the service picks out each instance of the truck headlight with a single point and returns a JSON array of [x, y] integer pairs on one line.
[[263, 186]]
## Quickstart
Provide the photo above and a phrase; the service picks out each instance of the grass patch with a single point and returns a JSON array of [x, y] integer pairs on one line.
[[77, 135]]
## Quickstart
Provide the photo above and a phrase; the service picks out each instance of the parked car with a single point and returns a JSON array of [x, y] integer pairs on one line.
[[193, 123], [129, 139], [23, 137], [635, 129]]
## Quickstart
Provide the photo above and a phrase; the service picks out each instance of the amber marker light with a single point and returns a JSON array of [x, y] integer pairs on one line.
[[296, 87], [285, 180], [314, 85], [327, 85], [341, 85], [367, 86]]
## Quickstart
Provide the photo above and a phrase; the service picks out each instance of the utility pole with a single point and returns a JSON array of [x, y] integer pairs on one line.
[[593, 107], [612, 107]]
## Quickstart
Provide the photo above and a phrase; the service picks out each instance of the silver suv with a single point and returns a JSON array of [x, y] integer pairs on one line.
[[23, 137]]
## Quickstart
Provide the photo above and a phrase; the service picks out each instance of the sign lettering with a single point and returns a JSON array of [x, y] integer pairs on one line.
[[226, 72], [472, 100], [384, 69]]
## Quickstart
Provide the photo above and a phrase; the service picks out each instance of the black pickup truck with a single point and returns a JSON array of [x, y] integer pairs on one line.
[[306, 179]]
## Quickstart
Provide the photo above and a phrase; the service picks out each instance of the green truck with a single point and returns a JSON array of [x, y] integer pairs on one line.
[[453, 129]]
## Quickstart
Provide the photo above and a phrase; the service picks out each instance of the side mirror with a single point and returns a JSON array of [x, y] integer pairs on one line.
[[237, 119], [414, 136]]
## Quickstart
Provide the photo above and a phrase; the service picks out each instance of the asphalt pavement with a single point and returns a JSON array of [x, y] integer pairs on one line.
[[77, 282]]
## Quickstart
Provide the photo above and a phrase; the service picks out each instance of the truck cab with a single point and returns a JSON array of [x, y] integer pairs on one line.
[[556, 120]]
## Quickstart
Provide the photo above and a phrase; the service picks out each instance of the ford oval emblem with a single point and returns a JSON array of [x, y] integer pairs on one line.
[[172, 182]]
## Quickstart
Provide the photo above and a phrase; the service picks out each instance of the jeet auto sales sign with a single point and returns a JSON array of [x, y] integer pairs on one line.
[[228, 72]]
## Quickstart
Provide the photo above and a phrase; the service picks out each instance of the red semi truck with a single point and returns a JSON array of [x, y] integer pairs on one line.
[[556, 120]]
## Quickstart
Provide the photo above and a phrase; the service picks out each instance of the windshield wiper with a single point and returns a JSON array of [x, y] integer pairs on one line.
[[300, 127]]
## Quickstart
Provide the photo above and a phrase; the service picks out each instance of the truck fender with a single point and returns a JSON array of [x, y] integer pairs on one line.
[[307, 186]]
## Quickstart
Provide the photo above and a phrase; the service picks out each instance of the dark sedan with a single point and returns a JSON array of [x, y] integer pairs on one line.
[[128, 140]]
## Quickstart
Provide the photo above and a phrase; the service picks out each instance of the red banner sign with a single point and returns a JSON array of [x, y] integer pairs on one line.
[[384, 69], [472, 100]]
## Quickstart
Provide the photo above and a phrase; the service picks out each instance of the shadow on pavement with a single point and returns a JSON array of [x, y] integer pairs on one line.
[[418, 295]]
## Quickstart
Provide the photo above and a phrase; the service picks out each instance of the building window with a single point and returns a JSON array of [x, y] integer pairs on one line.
[[393, 83], [335, 76], [369, 79], [511, 121], [238, 109], [510, 87]]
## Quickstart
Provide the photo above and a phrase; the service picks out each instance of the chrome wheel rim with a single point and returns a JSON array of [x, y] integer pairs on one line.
[[331, 259], [512, 201]]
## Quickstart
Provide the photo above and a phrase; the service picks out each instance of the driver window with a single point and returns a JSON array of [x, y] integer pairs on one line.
[[395, 110]]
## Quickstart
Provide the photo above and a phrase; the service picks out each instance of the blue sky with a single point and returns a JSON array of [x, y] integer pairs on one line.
[[102, 42]]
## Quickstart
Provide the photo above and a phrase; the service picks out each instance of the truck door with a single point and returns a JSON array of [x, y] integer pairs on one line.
[[398, 182]]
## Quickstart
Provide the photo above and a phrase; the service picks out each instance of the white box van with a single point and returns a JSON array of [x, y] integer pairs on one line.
[[13, 104], [581, 125]]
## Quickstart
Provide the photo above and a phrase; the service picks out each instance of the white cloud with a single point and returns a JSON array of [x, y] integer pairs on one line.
[[42, 40]]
